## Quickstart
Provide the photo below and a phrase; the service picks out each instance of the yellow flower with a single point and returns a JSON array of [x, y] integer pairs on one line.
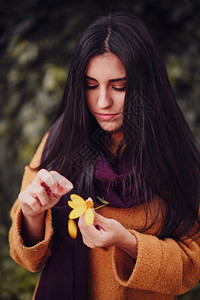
[[80, 206]]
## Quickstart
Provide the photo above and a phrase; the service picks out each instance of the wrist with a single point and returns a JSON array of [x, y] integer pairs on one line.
[[32, 229], [36, 218], [128, 243]]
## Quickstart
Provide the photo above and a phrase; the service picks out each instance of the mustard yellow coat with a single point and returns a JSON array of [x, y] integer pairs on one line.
[[162, 270]]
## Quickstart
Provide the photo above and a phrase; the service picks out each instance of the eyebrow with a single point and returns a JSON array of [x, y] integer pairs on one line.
[[111, 80]]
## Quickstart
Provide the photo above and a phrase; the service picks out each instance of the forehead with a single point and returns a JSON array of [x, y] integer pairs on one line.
[[107, 65]]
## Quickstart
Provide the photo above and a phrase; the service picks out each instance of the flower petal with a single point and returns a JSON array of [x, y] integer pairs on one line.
[[72, 229], [72, 204], [89, 216], [77, 212], [77, 200]]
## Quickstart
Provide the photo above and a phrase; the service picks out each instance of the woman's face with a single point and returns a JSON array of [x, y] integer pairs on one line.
[[105, 83]]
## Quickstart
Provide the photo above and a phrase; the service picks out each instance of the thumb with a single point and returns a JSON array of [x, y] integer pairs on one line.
[[100, 220]]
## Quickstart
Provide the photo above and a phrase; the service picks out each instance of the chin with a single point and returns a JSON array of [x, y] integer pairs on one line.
[[110, 127]]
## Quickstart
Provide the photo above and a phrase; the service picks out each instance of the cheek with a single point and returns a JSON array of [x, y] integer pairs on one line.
[[120, 100]]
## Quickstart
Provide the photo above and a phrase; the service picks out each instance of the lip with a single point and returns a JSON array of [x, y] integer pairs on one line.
[[106, 116]]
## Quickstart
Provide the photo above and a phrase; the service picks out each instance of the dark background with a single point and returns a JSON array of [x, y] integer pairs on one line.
[[37, 39]]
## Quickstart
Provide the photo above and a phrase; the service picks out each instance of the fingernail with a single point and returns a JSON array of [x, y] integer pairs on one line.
[[69, 185]]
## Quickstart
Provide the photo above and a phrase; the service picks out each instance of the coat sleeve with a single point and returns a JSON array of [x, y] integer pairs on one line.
[[162, 266], [33, 258]]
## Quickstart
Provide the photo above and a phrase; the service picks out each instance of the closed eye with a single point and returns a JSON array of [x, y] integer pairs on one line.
[[121, 89], [91, 87]]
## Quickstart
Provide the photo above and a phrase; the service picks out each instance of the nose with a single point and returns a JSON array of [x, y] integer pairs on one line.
[[104, 98]]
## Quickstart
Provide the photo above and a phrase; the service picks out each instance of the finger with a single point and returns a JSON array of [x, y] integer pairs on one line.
[[100, 220], [84, 228], [63, 185], [41, 178], [91, 236], [54, 184], [57, 183], [81, 223], [29, 203], [47, 189], [37, 191], [41, 175]]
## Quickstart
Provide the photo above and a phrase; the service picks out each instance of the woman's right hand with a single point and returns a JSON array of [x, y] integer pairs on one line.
[[43, 193]]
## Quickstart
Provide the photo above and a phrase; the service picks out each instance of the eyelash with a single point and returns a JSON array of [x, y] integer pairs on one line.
[[119, 89], [92, 87]]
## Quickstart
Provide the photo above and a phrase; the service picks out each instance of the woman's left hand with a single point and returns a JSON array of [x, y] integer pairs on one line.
[[106, 232]]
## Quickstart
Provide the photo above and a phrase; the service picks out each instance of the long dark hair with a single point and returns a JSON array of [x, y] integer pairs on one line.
[[157, 138]]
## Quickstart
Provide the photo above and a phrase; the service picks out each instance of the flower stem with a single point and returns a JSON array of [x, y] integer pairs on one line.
[[100, 206]]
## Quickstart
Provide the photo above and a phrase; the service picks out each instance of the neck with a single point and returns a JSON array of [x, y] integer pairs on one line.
[[117, 136]]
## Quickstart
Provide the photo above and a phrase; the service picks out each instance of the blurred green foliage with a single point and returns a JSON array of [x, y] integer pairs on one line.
[[37, 39], [15, 281]]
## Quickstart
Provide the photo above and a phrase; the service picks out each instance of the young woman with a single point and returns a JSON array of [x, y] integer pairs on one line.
[[119, 135]]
